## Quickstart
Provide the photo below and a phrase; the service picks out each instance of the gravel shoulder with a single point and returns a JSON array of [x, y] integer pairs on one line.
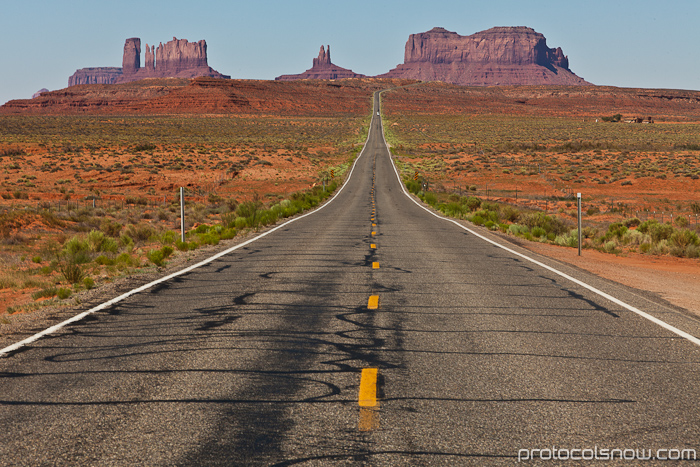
[[673, 279]]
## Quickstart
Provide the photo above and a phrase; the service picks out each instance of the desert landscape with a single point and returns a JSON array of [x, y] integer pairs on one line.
[[92, 171]]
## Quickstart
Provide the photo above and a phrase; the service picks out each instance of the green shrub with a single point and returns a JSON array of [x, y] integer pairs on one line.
[[103, 260], [36, 259], [140, 233], [684, 238], [98, 242], [473, 203], [209, 239], [159, 256], [610, 247], [681, 221], [76, 250], [229, 219], [88, 283], [182, 246], [155, 257], [631, 222], [657, 231], [167, 251], [202, 228], [538, 232], [413, 186], [430, 198], [615, 230], [126, 241], [510, 214], [110, 228], [548, 223], [168, 237], [64, 293], [45, 293], [227, 234], [569, 239], [127, 260]]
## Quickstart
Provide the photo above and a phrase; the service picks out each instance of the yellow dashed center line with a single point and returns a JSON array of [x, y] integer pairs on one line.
[[369, 406], [368, 388], [373, 246], [375, 265], [373, 302]]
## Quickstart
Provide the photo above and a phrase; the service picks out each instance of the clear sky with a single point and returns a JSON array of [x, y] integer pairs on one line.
[[642, 43]]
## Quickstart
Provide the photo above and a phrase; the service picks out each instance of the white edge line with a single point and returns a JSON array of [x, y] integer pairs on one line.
[[641, 313], [14, 347]]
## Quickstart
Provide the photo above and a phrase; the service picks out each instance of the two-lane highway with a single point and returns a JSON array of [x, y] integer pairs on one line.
[[368, 332]]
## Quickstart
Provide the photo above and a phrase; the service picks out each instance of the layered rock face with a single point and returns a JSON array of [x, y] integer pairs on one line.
[[100, 75], [498, 56], [131, 60], [175, 59], [322, 69]]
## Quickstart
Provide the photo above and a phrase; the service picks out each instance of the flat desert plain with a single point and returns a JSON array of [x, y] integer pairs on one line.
[[90, 174]]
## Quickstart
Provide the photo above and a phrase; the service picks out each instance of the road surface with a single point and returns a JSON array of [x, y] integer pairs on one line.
[[471, 356]]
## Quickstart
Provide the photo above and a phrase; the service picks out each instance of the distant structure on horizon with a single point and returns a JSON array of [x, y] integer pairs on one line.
[[497, 56], [175, 59], [322, 69]]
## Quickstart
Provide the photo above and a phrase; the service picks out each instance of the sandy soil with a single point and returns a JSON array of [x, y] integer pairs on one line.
[[673, 279]]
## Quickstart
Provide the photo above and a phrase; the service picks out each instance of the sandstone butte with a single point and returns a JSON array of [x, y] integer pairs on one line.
[[322, 69], [175, 59], [495, 57]]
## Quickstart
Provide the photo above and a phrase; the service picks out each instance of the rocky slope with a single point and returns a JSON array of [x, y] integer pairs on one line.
[[178, 58], [322, 69], [498, 56]]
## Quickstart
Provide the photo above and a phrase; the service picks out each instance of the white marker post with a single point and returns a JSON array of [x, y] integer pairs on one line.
[[182, 214], [578, 202]]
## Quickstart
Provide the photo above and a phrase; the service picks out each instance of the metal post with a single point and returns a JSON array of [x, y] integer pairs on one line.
[[578, 202], [182, 214]]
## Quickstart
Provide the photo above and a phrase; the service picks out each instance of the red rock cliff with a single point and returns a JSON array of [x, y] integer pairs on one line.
[[498, 56], [175, 59]]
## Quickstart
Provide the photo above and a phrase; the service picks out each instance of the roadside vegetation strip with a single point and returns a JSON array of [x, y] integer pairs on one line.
[[7, 351], [609, 297]]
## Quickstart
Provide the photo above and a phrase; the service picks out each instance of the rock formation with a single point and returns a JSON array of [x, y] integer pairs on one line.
[[101, 75], [39, 93], [322, 69], [498, 56], [131, 60], [175, 59]]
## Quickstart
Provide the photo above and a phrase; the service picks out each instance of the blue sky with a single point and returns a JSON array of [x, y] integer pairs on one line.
[[641, 43]]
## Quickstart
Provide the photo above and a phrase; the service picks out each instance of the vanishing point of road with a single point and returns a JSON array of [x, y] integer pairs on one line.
[[369, 332]]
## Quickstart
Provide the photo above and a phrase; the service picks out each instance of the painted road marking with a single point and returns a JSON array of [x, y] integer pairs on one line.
[[374, 233], [596, 291], [368, 388], [367, 399], [373, 302], [373, 246], [374, 225], [375, 265]]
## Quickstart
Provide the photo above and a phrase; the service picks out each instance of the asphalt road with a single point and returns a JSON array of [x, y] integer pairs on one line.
[[257, 358]]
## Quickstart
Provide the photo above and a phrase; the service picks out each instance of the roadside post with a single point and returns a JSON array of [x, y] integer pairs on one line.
[[182, 214], [578, 208]]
